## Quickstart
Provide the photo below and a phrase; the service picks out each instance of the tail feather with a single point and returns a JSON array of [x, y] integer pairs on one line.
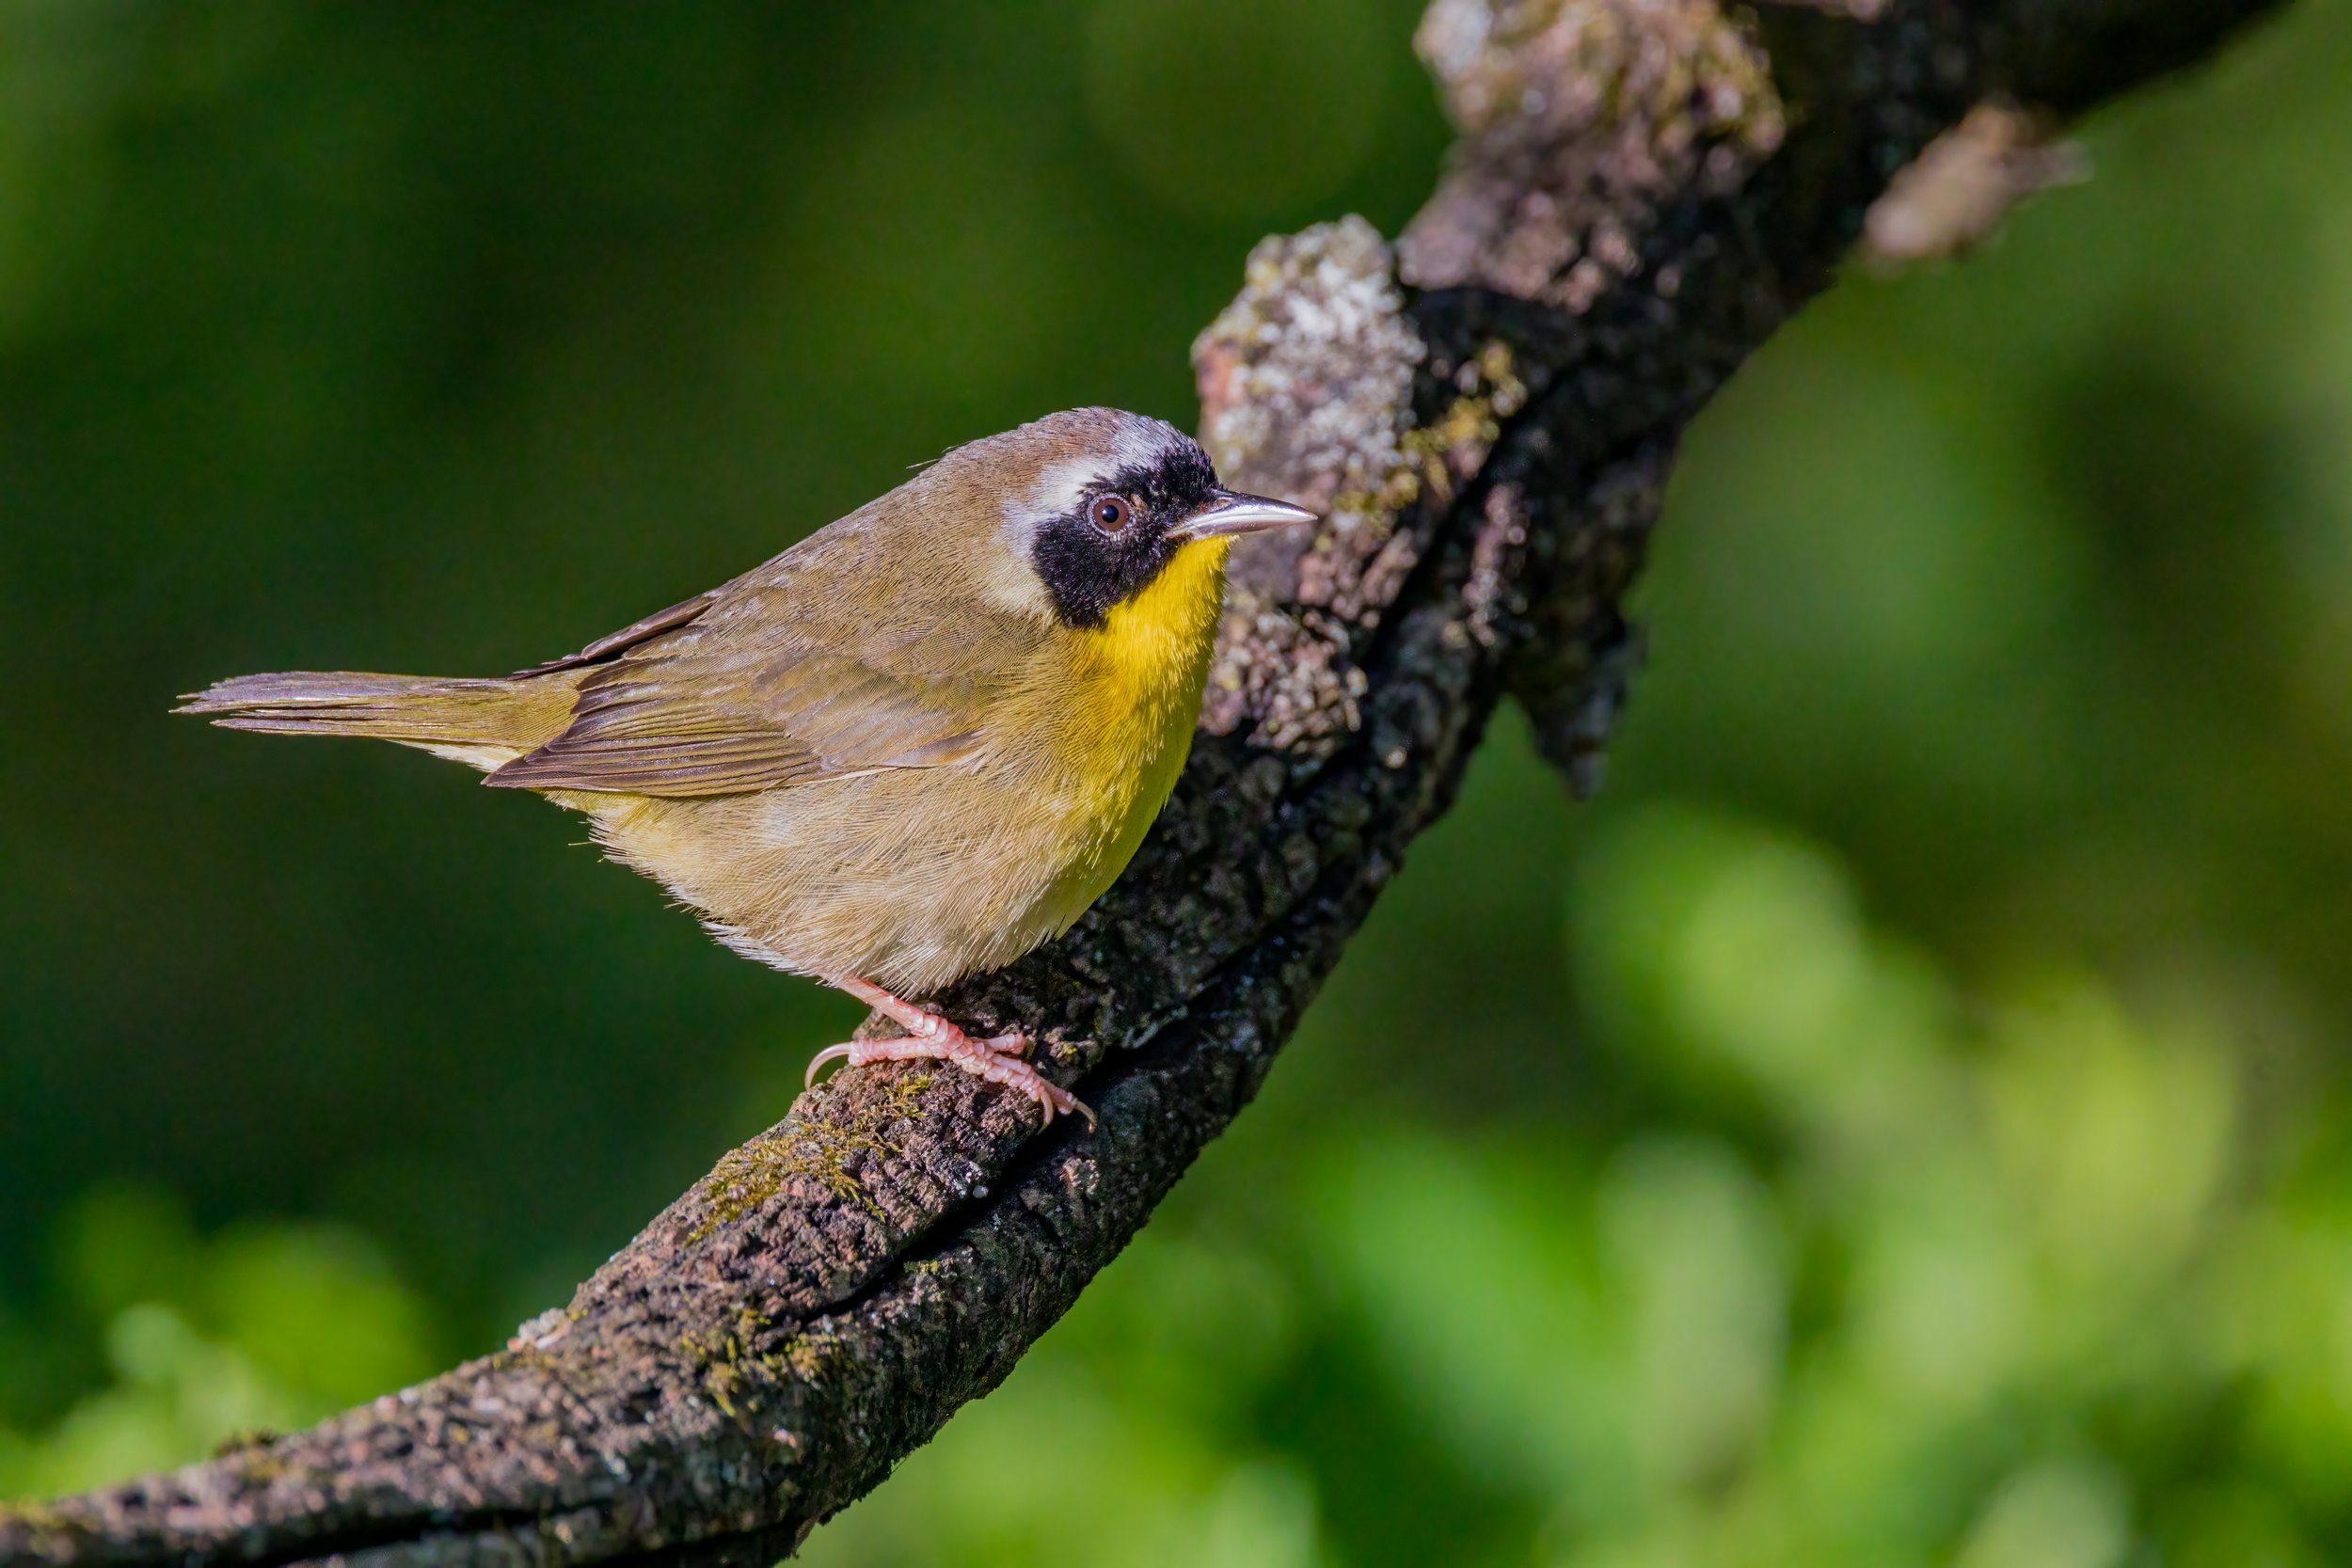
[[483, 722]]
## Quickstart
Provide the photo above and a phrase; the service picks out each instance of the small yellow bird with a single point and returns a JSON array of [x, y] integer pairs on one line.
[[916, 744]]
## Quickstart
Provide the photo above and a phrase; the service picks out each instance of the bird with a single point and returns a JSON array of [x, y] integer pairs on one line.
[[913, 746]]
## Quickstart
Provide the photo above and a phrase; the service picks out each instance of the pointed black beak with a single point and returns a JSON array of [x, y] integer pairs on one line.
[[1232, 512]]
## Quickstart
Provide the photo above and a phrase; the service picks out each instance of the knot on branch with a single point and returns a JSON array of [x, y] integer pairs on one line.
[[1577, 119], [1956, 194]]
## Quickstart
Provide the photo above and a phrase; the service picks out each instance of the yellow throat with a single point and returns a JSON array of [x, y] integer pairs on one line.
[[1137, 697]]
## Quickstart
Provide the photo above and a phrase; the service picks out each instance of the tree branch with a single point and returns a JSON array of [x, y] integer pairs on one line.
[[1643, 190]]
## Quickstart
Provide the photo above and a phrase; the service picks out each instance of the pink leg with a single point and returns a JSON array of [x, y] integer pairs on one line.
[[929, 1036]]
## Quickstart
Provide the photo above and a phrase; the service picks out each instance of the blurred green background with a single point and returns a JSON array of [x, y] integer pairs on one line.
[[1904, 1120]]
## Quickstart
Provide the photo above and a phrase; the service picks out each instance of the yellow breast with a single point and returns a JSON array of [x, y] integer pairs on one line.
[[1133, 696]]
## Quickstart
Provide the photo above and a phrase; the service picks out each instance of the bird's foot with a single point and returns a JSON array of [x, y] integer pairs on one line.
[[998, 1059]]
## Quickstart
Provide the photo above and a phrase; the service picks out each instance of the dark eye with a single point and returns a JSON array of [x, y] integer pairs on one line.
[[1111, 514]]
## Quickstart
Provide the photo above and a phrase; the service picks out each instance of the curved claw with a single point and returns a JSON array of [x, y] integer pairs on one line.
[[1071, 1102], [830, 1053]]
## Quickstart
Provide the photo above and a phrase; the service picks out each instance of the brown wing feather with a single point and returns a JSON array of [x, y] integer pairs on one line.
[[772, 682], [675, 727], [628, 636]]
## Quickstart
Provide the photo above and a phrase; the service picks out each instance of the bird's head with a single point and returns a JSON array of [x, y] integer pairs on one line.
[[1093, 505]]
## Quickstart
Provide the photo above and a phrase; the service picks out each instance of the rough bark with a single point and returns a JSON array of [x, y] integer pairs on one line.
[[1486, 413]]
